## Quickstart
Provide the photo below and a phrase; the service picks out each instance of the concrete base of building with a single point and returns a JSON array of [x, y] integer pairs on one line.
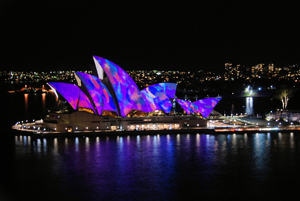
[[82, 121]]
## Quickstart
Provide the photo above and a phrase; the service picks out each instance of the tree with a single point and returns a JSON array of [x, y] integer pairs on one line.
[[284, 94]]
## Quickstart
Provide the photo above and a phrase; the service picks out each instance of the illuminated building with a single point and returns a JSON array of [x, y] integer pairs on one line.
[[111, 100]]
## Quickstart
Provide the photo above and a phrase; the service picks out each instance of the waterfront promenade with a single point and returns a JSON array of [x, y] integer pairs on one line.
[[230, 125]]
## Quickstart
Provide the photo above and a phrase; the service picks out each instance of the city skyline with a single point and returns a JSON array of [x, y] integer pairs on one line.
[[230, 70], [160, 35]]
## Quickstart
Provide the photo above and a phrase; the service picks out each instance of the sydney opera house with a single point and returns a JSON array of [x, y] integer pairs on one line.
[[110, 100]]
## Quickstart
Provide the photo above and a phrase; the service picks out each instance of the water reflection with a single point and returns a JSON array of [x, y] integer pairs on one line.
[[66, 142], [188, 139], [156, 145], [234, 143], [26, 101], [269, 136], [25, 140], [128, 139], [138, 140], [87, 144], [292, 142], [197, 140], [38, 146], [76, 144], [55, 145], [178, 140], [260, 153], [44, 144], [249, 105], [279, 137], [44, 100], [128, 164]]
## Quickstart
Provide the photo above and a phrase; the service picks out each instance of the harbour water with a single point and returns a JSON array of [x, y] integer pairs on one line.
[[155, 167], [260, 166]]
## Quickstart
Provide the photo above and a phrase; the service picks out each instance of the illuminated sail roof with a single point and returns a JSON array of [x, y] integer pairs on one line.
[[84, 101], [158, 95], [151, 102], [70, 92], [162, 89], [75, 97], [186, 105], [127, 93], [98, 92], [118, 92], [205, 106]]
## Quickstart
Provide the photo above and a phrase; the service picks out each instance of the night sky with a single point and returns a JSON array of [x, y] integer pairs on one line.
[[163, 35]]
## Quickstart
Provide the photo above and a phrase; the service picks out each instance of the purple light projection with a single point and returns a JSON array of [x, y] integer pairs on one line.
[[72, 94], [151, 102], [84, 101], [194, 108], [128, 95], [205, 106], [186, 105], [168, 88], [158, 96], [98, 91], [126, 90]]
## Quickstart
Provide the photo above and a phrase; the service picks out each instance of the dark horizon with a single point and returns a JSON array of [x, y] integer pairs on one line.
[[45, 36]]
